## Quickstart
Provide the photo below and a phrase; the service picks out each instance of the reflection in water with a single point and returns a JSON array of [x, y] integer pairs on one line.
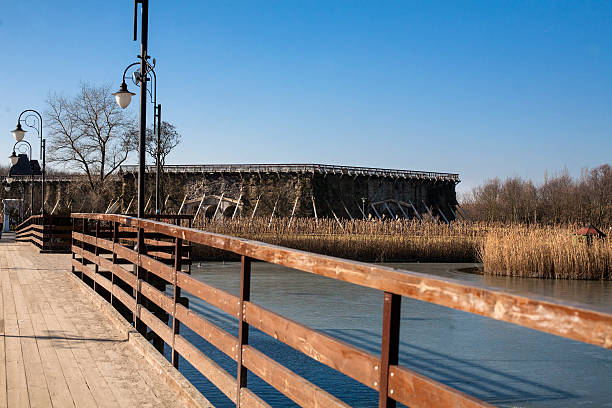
[[501, 363]]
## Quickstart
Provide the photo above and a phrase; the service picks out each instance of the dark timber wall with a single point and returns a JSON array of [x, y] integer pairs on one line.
[[342, 191]]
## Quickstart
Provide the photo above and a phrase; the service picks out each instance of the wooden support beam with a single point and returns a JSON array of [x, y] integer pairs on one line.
[[109, 205], [127, 210], [347, 211], [218, 206], [442, 214], [254, 209], [273, 210], [399, 205], [113, 207], [182, 204], [237, 205], [376, 211], [166, 202], [389, 211], [55, 206], [416, 212], [428, 209], [361, 209], [450, 207], [199, 207], [464, 212], [314, 208], [334, 214], [293, 211], [148, 202]]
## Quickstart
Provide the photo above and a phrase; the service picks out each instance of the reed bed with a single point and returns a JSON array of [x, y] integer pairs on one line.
[[545, 252], [503, 249], [363, 240]]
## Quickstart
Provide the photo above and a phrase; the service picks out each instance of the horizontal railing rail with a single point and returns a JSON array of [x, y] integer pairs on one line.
[[48, 233], [50, 178], [99, 240], [297, 168]]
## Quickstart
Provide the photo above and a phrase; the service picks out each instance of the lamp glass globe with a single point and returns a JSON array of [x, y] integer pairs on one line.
[[18, 133], [123, 96]]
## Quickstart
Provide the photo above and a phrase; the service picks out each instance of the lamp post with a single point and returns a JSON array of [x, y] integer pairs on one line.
[[124, 97], [36, 123], [15, 159]]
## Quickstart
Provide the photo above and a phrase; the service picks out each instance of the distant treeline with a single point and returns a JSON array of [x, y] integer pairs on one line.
[[559, 199]]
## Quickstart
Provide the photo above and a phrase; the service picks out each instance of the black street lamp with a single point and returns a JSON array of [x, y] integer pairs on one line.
[[34, 120], [124, 97], [14, 158]]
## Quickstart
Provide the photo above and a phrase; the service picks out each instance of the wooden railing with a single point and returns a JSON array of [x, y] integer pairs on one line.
[[98, 242], [48, 233]]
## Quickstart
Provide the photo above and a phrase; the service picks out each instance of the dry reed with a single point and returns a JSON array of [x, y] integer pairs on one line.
[[402, 240], [504, 249], [546, 252]]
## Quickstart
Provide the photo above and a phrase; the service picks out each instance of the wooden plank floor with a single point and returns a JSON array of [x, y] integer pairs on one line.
[[57, 349]]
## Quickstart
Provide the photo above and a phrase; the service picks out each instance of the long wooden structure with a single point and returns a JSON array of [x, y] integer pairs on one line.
[[298, 168], [104, 260], [48, 233]]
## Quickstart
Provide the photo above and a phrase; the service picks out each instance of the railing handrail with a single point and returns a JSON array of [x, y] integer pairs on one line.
[[300, 168], [382, 373], [38, 216], [550, 316]]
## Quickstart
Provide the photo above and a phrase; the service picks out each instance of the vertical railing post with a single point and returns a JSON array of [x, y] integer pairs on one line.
[[40, 233], [390, 345], [83, 248], [243, 327], [72, 242], [115, 240], [142, 329], [178, 264], [96, 253]]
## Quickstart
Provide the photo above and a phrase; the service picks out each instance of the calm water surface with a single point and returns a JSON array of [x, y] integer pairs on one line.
[[503, 364]]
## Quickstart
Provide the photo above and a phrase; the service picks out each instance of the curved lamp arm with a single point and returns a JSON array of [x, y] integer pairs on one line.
[[124, 96], [26, 142], [31, 113]]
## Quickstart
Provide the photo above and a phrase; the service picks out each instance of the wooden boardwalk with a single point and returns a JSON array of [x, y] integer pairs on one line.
[[57, 349]]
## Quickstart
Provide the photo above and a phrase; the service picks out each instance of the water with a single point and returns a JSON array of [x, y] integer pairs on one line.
[[503, 364]]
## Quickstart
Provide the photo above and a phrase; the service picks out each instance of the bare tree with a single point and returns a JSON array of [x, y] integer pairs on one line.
[[169, 139], [89, 132], [559, 199]]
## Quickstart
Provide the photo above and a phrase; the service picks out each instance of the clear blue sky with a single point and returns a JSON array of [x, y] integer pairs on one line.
[[480, 88]]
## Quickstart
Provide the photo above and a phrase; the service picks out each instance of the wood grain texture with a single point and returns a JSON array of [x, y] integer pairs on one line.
[[343, 357], [296, 388], [58, 348]]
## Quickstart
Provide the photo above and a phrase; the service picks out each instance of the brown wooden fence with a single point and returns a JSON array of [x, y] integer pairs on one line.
[[48, 233], [100, 241]]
